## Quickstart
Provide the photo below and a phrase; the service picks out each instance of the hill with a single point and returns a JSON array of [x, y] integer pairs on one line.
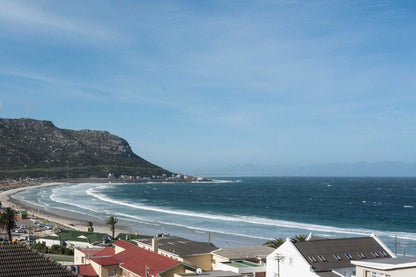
[[35, 148]]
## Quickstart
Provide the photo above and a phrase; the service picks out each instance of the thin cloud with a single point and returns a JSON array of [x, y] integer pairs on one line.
[[30, 17]]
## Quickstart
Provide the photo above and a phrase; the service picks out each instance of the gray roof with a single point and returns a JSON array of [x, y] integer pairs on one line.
[[213, 273], [394, 261], [246, 253], [320, 254], [327, 274], [181, 246], [20, 260]]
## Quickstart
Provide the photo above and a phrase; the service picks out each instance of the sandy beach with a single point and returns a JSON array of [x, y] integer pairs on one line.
[[74, 221]]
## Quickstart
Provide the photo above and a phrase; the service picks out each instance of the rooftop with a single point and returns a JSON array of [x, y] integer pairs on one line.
[[86, 270], [20, 260], [246, 253], [328, 254], [181, 246], [213, 273], [388, 264]]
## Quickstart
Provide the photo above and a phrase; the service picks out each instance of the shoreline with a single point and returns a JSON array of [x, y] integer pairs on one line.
[[71, 222], [77, 221]]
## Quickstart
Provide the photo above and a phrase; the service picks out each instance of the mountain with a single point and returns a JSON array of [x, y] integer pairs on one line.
[[35, 148]]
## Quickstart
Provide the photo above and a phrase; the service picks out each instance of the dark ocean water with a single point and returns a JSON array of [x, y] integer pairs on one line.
[[255, 208]]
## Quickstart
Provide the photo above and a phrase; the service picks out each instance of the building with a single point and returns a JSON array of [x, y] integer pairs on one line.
[[22, 215], [324, 257], [392, 267], [196, 254], [74, 239], [127, 260], [20, 260], [244, 260]]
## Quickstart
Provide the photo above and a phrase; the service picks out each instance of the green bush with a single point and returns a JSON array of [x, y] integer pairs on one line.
[[40, 247]]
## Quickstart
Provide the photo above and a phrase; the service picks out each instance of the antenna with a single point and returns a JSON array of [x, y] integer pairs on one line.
[[278, 258]]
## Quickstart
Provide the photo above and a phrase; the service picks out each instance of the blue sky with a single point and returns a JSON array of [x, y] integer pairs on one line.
[[201, 86]]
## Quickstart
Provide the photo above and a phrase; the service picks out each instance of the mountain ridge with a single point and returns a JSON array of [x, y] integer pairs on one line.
[[40, 149]]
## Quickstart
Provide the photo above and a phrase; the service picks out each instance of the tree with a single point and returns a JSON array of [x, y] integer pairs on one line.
[[274, 243], [112, 221], [8, 221], [90, 226], [300, 237]]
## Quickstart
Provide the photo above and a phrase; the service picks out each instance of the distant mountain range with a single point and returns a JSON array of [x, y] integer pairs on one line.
[[358, 169], [34, 148]]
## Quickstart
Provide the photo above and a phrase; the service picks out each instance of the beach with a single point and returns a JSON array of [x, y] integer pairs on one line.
[[65, 219]]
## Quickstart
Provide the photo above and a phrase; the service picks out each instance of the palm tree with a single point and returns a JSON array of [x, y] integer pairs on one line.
[[112, 221], [300, 237], [274, 243], [90, 226], [8, 221]]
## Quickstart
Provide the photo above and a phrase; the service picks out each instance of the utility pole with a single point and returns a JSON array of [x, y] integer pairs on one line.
[[278, 258], [395, 245]]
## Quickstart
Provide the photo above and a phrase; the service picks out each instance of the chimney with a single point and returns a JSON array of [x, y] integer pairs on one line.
[[154, 245]]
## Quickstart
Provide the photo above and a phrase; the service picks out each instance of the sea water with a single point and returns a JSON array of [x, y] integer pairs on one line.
[[250, 210]]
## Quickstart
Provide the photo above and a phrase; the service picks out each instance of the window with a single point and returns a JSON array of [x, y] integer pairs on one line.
[[290, 261], [312, 259], [378, 274], [322, 258], [361, 255], [112, 272], [383, 253], [337, 257], [349, 256], [375, 254]]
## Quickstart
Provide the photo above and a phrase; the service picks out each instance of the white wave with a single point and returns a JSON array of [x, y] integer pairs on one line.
[[408, 206], [256, 220]]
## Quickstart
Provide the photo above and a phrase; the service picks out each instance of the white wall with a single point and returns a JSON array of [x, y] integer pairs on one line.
[[292, 263]]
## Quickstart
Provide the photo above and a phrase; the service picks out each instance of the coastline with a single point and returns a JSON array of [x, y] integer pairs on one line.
[[77, 221], [69, 221]]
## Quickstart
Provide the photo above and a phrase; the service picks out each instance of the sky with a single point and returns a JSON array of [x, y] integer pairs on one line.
[[221, 87]]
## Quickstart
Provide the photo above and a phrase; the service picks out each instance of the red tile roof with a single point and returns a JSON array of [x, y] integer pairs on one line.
[[135, 259], [108, 251], [86, 270], [103, 261], [138, 258], [124, 244]]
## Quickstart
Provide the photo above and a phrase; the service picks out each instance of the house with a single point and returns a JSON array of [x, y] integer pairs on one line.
[[126, 259], [392, 267], [324, 257], [20, 260], [257, 254], [74, 239], [196, 254], [22, 215], [243, 260]]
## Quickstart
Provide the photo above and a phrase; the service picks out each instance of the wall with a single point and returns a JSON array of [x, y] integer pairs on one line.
[[179, 269], [292, 263], [393, 273], [202, 261]]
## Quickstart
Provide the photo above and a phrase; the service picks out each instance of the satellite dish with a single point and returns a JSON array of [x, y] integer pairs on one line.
[[198, 271]]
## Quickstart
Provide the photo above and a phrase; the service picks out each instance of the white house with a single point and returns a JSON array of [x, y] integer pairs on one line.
[[398, 267], [320, 257]]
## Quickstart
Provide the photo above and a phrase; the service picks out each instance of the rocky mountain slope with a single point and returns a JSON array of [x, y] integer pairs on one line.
[[37, 148]]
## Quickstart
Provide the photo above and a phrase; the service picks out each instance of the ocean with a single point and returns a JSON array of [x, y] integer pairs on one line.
[[243, 211]]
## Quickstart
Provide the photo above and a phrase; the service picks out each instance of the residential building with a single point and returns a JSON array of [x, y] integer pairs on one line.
[[127, 260], [392, 267], [324, 257], [243, 260], [74, 239], [20, 260], [196, 254]]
